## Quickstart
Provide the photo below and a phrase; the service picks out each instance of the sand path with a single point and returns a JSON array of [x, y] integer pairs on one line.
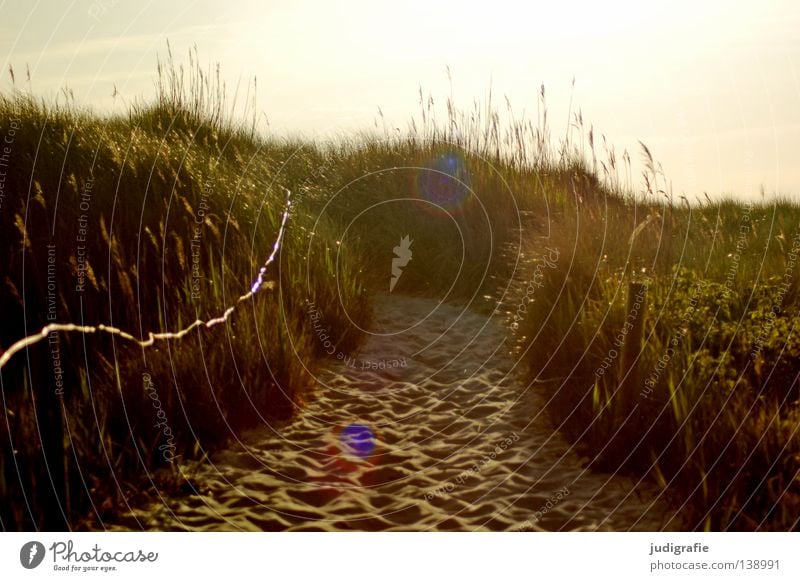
[[430, 427]]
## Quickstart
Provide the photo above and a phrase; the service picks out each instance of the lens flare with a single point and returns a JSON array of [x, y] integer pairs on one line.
[[357, 440], [446, 182]]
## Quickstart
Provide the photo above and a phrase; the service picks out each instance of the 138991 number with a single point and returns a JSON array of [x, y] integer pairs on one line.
[[762, 564]]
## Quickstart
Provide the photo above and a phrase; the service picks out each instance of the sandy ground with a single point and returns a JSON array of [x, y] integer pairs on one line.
[[429, 427]]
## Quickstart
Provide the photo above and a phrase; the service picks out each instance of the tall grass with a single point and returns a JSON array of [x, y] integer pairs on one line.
[[148, 223], [482, 195], [711, 413]]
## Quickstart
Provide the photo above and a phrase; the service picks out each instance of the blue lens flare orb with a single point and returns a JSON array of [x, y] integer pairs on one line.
[[446, 182], [357, 440]]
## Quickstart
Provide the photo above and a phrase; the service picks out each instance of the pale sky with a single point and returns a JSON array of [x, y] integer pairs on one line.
[[712, 87]]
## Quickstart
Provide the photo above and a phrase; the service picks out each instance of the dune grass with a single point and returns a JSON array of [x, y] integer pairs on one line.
[[148, 223], [154, 219], [709, 409], [151, 220]]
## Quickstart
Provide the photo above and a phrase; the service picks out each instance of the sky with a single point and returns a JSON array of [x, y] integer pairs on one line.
[[712, 88]]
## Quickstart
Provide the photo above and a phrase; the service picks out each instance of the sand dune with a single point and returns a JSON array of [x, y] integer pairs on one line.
[[429, 427]]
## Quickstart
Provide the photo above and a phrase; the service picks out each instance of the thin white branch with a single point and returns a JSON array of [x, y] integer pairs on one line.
[[257, 285]]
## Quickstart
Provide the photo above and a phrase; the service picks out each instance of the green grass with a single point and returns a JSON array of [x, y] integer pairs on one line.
[[715, 427], [715, 389], [178, 214]]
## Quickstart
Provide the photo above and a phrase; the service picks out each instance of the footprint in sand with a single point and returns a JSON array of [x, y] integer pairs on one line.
[[446, 435]]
